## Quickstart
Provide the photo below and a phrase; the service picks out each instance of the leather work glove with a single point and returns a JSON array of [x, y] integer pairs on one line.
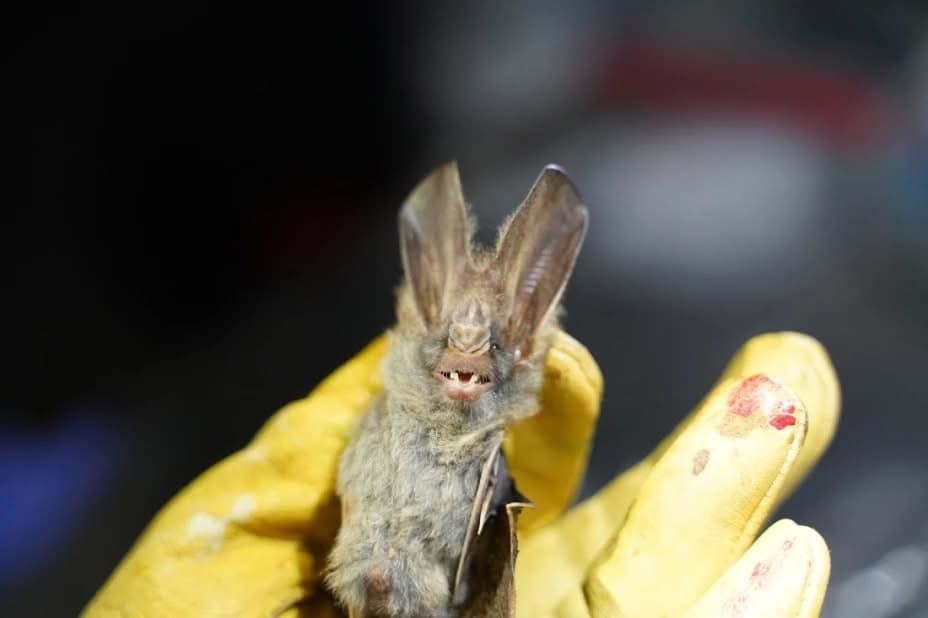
[[675, 535]]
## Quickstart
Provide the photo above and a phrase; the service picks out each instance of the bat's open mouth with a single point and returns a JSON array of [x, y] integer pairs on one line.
[[462, 385]]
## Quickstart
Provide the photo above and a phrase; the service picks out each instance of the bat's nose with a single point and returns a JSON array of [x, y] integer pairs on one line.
[[469, 338]]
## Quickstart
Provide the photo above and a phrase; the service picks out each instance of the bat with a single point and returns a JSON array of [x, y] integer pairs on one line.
[[423, 470]]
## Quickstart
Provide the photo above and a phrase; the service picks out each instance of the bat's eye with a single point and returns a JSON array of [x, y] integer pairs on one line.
[[494, 347]]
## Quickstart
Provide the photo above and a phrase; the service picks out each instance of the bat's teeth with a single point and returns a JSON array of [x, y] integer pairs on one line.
[[473, 378], [454, 376]]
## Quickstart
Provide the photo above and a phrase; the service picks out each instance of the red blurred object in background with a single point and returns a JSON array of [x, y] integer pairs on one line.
[[844, 108]]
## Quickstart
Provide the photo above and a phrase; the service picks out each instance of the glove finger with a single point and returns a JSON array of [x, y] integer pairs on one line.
[[548, 453], [800, 362], [703, 502], [784, 573], [238, 540], [553, 562]]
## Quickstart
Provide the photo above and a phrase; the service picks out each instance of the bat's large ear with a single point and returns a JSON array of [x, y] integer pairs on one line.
[[435, 240], [537, 253]]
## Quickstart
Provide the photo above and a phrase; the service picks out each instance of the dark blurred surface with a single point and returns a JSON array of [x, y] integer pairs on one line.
[[200, 226]]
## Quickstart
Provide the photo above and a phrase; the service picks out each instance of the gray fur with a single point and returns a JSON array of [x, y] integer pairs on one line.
[[409, 476]]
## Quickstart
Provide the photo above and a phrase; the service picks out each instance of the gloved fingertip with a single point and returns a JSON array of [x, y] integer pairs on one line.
[[784, 573]]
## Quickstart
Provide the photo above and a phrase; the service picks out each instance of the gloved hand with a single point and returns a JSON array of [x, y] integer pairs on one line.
[[672, 536]]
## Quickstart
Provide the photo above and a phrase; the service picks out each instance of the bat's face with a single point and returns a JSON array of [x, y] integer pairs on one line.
[[472, 362], [480, 311]]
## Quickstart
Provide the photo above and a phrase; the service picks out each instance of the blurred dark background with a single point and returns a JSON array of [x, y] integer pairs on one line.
[[199, 225]]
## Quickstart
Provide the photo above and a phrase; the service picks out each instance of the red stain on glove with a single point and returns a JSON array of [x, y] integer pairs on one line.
[[761, 394]]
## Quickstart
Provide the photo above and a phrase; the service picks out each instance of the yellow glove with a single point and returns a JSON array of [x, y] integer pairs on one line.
[[670, 537]]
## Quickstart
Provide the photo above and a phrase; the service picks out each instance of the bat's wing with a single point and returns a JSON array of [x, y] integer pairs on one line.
[[496, 493], [491, 581]]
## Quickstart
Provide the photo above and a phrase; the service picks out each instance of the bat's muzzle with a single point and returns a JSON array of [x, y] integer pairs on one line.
[[464, 377]]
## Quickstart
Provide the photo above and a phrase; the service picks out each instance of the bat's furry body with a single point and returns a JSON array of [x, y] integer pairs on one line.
[[466, 360]]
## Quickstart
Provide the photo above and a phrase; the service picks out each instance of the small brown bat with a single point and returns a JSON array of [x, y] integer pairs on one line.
[[466, 360]]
